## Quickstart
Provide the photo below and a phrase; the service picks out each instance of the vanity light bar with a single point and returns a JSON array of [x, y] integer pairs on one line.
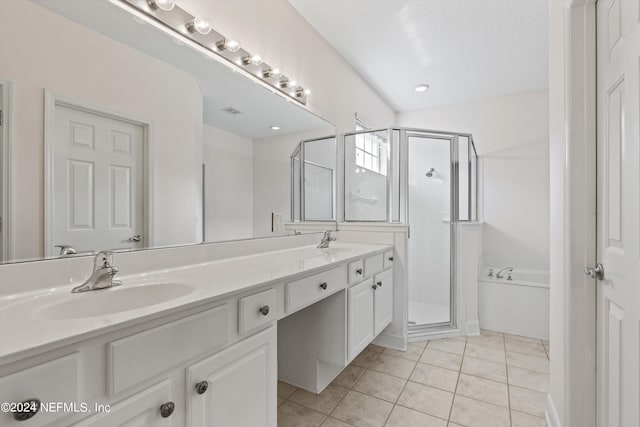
[[197, 29]]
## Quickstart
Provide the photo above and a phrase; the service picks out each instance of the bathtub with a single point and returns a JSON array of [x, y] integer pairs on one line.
[[519, 306]]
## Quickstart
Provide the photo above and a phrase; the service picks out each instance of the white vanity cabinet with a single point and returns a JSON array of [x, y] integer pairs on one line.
[[237, 386], [382, 301]]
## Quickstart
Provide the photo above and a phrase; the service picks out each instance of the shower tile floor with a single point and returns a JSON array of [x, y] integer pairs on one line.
[[425, 313], [491, 380]]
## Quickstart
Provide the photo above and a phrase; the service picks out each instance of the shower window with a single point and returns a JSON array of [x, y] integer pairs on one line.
[[371, 153]]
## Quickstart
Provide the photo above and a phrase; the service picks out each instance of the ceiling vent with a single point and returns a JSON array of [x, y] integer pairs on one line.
[[231, 110]]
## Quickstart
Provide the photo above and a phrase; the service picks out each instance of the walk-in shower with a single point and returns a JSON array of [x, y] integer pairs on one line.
[[427, 180]]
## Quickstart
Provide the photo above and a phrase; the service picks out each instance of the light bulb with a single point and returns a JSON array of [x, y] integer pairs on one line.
[[254, 59], [162, 4], [274, 127], [228, 44], [293, 83], [271, 72], [200, 25], [307, 92]]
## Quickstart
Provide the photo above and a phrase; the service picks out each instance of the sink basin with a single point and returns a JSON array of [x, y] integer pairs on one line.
[[109, 301]]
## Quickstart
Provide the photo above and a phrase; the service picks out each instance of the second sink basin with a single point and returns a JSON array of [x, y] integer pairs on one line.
[[109, 301]]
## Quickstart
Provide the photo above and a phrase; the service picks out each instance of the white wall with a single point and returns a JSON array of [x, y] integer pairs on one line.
[[70, 60], [228, 158], [511, 134]]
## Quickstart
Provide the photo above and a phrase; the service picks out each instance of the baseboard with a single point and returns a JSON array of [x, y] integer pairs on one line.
[[393, 341], [550, 414], [473, 328]]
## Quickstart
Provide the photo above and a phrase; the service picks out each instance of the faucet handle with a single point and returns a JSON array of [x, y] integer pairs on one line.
[[103, 259]]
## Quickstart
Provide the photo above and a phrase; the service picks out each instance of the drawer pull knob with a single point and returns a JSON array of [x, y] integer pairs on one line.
[[264, 310], [323, 285], [29, 409], [359, 271], [166, 409], [379, 284], [375, 287], [390, 258], [201, 387]]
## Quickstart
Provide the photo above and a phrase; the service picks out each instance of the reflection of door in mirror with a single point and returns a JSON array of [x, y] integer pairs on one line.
[[97, 193], [3, 152]]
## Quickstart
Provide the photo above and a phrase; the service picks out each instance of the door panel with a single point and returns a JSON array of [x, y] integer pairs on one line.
[[360, 317], [383, 298], [618, 214]]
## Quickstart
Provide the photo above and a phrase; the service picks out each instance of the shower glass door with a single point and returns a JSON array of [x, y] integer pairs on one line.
[[430, 208]]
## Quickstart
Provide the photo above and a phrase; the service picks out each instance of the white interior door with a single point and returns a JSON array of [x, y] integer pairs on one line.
[[98, 189], [618, 295]]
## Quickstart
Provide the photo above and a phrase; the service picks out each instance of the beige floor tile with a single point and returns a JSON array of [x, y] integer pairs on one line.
[[493, 341], [395, 366], [488, 332], [426, 399], [532, 363], [375, 348], [510, 337], [362, 410], [380, 385], [435, 376], [530, 348], [485, 369], [474, 413], [450, 345], [324, 402], [365, 359], [485, 353], [293, 415], [349, 376], [482, 389], [332, 422], [546, 343], [422, 344], [280, 400], [412, 353], [405, 417], [285, 390], [519, 419], [454, 425], [442, 359], [528, 379], [529, 401]]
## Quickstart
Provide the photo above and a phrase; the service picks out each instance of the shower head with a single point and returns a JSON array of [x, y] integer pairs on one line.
[[431, 172]]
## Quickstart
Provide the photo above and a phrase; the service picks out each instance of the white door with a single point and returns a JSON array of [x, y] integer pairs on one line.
[[360, 317], [98, 189], [383, 301], [236, 387], [618, 229]]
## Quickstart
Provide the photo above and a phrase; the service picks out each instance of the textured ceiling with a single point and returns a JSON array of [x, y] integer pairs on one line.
[[463, 49]]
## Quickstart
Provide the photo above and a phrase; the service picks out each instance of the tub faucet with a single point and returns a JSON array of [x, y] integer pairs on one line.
[[326, 239], [102, 275], [500, 273]]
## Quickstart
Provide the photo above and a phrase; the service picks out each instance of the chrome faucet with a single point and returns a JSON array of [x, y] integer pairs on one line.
[[102, 275], [500, 273], [326, 239]]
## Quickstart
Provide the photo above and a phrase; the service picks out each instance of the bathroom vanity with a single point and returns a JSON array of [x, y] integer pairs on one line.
[[207, 348]]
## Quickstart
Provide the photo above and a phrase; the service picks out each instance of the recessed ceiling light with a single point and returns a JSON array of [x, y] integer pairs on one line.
[[421, 88], [274, 127]]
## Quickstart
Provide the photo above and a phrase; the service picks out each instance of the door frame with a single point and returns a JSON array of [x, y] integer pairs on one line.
[[6, 138], [572, 94], [51, 101]]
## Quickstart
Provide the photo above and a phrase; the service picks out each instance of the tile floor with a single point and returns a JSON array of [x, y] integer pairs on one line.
[[491, 380]]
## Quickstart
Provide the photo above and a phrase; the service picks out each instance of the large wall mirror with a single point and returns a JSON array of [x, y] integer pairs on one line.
[[117, 135]]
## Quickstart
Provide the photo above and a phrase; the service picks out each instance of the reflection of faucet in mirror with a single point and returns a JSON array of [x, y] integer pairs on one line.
[[102, 275], [66, 250], [326, 238]]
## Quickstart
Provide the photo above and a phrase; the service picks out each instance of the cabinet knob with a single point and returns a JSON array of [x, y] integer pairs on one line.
[[375, 287], [379, 284], [390, 258], [323, 285], [359, 271], [166, 409], [201, 387], [28, 409], [264, 310]]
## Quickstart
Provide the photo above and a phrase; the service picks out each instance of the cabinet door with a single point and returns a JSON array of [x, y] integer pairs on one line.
[[360, 317], [241, 385], [383, 298]]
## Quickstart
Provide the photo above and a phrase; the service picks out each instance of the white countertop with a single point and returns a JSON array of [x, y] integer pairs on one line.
[[23, 334]]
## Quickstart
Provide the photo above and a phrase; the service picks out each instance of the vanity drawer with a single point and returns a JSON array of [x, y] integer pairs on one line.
[[52, 381], [356, 271], [373, 265], [143, 356], [388, 259], [310, 289], [256, 310]]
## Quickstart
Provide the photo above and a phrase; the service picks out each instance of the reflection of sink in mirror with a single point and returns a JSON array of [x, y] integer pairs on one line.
[[155, 96], [108, 301]]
